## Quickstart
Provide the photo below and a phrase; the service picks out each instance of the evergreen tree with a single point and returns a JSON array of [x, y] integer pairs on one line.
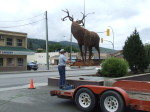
[[147, 49], [134, 53]]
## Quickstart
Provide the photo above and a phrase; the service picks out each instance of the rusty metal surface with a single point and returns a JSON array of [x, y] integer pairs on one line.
[[139, 95], [139, 86], [140, 105], [62, 93]]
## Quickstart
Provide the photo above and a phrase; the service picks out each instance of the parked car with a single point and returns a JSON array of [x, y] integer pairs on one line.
[[32, 66]]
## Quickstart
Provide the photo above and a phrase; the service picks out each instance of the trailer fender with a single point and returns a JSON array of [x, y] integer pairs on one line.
[[99, 90]]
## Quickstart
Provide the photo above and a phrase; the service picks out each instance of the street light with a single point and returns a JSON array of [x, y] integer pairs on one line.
[[70, 46], [110, 42], [113, 37]]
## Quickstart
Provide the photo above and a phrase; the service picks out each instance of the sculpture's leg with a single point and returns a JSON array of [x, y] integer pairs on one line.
[[90, 53], [80, 46], [98, 50], [85, 48]]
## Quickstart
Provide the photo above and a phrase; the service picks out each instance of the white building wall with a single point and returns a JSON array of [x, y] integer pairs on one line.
[[41, 57]]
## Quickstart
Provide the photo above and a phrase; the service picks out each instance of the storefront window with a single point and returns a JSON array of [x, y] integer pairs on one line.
[[20, 61], [19, 42], [1, 61], [9, 42], [10, 62]]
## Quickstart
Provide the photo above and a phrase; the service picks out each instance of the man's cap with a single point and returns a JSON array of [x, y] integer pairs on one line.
[[62, 51]]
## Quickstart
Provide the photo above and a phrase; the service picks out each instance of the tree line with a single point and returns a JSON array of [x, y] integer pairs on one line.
[[39, 45]]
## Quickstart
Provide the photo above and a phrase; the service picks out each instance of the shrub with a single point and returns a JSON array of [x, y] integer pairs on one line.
[[114, 67]]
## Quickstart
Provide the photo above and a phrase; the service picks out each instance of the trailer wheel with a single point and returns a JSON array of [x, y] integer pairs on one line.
[[111, 101], [85, 100]]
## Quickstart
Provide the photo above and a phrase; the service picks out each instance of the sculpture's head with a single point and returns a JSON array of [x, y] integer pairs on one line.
[[72, 19], [81, 21]]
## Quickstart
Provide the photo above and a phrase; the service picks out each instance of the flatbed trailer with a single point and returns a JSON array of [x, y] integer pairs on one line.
[[122, 94]]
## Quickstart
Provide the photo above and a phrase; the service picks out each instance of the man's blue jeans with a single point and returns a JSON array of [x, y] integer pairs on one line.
[[61, 70]]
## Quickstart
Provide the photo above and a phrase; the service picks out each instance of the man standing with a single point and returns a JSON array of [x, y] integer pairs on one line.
[[62, 60]]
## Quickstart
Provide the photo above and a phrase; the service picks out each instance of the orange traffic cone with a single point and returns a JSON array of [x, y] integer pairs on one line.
[[31, 85]]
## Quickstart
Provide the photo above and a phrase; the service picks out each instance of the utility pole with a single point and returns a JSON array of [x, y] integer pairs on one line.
[[47, 55], [84, 14], [70, 46]]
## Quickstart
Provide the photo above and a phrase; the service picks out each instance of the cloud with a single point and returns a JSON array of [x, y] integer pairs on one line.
[[122, 15], [145, 35]]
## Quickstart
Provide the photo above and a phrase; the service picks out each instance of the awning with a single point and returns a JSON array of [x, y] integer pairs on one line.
[[15, 50]]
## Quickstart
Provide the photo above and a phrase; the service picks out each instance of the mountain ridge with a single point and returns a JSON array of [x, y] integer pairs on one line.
[[34, 44]]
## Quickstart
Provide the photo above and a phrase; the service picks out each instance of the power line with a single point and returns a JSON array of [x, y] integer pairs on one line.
[[23, 24], [23, 19]]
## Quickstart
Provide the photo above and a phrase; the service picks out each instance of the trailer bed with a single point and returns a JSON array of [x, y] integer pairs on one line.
[[139, 95], [63, 93], [136, 92]]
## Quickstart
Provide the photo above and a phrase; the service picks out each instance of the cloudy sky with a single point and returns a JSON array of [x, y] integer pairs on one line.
[[122, 15]]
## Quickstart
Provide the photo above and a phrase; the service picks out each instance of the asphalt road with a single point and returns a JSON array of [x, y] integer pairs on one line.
[[37, 100], [20, 79], [16, 97]]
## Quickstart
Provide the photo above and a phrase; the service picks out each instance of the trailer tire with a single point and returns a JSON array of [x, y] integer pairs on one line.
[[85, 100], [111, 101]]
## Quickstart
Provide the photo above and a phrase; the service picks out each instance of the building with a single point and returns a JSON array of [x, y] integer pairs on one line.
[[13, 51], [40, 58], [118, 54]]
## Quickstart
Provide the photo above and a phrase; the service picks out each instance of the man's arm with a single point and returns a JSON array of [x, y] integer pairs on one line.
[[67, 61]]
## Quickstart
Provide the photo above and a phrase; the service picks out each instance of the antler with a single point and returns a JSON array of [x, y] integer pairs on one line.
[[83, 16], [70, 18], [81, 21]]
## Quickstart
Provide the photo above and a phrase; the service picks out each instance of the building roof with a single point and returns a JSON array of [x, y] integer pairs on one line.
[[4, 32], [8, 48]]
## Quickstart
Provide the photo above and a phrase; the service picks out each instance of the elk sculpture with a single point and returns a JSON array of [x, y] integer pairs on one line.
[[85, 38]]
